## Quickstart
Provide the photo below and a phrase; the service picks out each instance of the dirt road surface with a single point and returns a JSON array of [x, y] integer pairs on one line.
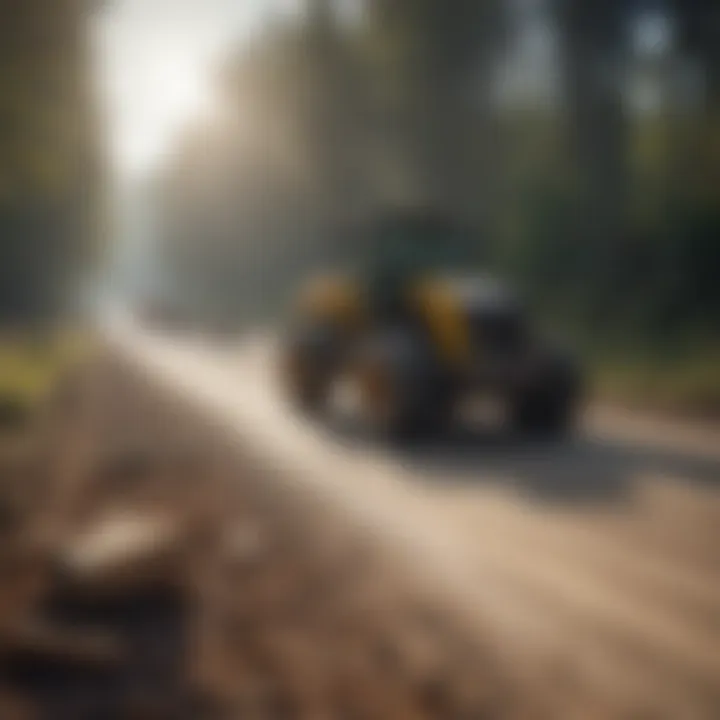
[[594, 564]]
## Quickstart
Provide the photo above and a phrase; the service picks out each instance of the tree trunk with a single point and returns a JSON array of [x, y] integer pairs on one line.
[[593, 52]]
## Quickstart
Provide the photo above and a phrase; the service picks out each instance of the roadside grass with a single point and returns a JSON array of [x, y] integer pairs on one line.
[[661, 372], [31, 367], [686, 386]]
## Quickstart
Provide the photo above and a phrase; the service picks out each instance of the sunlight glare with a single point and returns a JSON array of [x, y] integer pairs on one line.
[[174, 92]]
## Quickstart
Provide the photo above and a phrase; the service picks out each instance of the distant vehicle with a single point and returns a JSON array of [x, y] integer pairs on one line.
[[419, 335]]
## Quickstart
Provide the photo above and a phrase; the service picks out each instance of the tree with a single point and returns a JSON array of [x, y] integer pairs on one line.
[[698, 23], [438, 66], [51, 156], [256, 195], [593, 49]]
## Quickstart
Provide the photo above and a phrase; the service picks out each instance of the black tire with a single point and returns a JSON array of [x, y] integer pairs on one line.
[[543, 415], [418, 398], [308, 365], [547, 408]]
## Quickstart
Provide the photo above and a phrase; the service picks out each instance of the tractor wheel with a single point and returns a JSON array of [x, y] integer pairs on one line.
[[540, 414], [547, 409], [308, 366], [404, 395]]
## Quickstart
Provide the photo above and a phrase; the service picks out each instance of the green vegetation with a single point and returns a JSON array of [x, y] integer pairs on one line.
[[32, 367], [689, 385], [50, 166], [50, 200]]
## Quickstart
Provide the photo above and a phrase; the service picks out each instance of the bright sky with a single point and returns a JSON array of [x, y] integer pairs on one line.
[[155, 62]]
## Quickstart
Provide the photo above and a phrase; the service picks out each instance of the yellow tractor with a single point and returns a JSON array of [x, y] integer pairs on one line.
[[420, 337]]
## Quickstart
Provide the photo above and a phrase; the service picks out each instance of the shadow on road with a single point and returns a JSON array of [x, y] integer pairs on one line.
[[579, 470], [582, 469]]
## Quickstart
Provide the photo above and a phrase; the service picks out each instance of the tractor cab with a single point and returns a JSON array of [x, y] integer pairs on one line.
[[404, 248]]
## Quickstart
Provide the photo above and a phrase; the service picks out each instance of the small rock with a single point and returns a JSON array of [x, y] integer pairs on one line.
[[123, 551]]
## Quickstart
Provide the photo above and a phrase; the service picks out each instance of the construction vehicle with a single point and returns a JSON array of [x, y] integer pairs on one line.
[[421, 336]]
